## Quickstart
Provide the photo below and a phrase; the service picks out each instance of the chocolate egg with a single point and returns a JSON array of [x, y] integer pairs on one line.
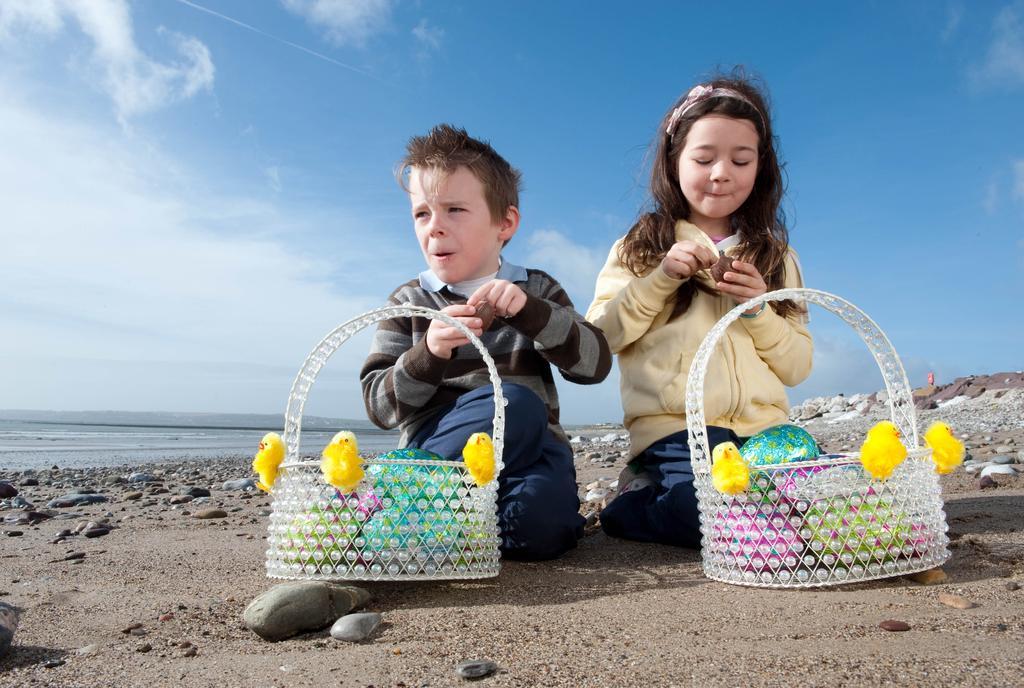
[[719, 269], [485, 311], [779, 444]]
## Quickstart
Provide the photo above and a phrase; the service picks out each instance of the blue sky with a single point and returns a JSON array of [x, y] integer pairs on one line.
[[193, 194]]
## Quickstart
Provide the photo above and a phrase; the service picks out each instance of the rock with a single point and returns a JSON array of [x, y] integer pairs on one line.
[[7, 490], [596, 495], [53, 663], [955, 601], [987, 482], [354, 628], [610, 437], [13, 533], [26, 518], [210, 513], [180, 499], [241, 484], [476, 668], [1013, 585], [132, 496], [194, 492], [894, 625], [929, 577], [128, 629], [1002, 449], [594, 485], [142, 478], [998, 470], [96, 531], [75, 499], [8, 624], [144, 647], [190, 651], [29, 482], [88, 650], [292, 608]]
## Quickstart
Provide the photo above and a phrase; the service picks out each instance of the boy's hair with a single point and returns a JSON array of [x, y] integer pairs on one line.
[[446, 148], [760, 222]]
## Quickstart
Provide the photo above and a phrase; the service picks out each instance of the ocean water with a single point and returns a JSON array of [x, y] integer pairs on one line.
[[126, 439]]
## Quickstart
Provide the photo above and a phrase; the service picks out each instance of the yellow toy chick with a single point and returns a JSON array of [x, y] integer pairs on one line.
[[341, 464], [479, 457], [267, 459], [947, 450], [729, 472], [882, 450]]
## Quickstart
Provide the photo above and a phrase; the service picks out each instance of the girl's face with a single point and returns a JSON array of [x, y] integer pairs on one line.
[[717, 169]]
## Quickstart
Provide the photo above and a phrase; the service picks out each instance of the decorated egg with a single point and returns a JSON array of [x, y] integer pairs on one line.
[[864, 533], [759, 542], [779, 444]]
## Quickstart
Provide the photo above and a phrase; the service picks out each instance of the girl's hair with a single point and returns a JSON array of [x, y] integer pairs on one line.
[[760, 222]]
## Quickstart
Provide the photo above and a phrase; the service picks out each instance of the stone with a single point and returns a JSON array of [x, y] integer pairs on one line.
[[29, 482], [894, 625], [88, 650], [241, 484], [142, 478], [144, 647], [210, 513], [96, 531], [1003, 449], [26, 518], [75, 499], [132, 496], [7, 490], [13, 533], [194, 492], [190, 651], [596, 495], [8, 624], [610, 437], [292, 608], [476, 668], [53, 663], [1013, 585], [354, 628], [180, 499], [987, 483], [955, 601], [929, 577], [998, 470]]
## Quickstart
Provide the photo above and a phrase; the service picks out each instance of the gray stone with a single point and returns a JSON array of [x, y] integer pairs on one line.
[[476, 668], [211, 513], [96, 531], [7, 490], [29, 482], [132, 496], [1001, 459], [180, 499], [75, 499], [142, 478], [194, 492], [241, 484], [1003, 449], [8, 624], [354, 628], [292, 608], [997, 470]]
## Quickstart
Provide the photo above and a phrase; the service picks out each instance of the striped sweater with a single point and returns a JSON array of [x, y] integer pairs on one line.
[[404, 384]]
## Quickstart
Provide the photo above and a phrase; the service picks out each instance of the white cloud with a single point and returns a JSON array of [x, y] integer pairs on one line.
[[126, 279], [575, 266], [136, 83], [429, 37], [344, 21], [1004, 63]]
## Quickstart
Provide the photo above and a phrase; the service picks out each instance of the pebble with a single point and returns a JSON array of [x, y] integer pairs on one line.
[[292, 608], [29, 482], [1002, 459], [8, 624], [96, 531], [210, 513], [144, 647], [180, 499], [142, 478], [239, 484], [987, 482], [955, 601], [190, 651], [7, 490], [929, 577], [354, 628], [13, 533], [130, 628], [1003, 449], [89, 650], [894, 625], [53, 663], [998, 470], [132, 496], [596, 495], [476, 668], [194, 492], [75, 499], [1013, 585]]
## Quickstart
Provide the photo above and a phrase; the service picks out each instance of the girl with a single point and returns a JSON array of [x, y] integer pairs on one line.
[[716, 186]]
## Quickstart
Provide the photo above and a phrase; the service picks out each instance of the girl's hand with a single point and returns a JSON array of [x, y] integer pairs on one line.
[[442, 338], [743, 282], [506, 297], [685, 258]]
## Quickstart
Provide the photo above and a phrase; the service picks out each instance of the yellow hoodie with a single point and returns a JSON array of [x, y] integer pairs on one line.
[[746, 377]]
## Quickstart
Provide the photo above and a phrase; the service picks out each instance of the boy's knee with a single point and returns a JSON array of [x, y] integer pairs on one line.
[[523, 403], [542, 520]]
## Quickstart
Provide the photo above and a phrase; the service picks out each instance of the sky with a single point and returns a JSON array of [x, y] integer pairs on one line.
[[193, 193]]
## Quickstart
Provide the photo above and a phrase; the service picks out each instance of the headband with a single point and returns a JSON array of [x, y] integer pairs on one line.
[[702, 92]]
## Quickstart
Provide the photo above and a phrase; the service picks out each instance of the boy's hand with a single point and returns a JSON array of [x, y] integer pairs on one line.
[[743, 282], [442, 338], [506, 297], [685, 258]]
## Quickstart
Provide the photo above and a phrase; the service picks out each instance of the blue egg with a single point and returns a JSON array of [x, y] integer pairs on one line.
[[779, 444]]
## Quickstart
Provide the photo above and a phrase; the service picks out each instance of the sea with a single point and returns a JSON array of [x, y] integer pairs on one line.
[[43, 439]]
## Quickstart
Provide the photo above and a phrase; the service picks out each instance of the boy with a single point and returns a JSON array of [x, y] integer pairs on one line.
[[423, 376]]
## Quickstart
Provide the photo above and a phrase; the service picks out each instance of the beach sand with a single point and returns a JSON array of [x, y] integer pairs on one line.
[[610, 613]]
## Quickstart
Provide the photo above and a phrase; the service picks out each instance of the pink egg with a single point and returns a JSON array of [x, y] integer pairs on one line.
[[761, 542]]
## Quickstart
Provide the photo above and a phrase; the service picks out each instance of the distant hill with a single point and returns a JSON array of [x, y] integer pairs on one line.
[[162, 419]]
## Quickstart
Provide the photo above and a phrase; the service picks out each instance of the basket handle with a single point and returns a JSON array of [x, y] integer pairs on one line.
[[339, 335], [901, 403]]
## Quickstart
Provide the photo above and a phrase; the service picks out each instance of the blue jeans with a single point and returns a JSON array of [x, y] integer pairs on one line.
[[538, 505], [665, 512]]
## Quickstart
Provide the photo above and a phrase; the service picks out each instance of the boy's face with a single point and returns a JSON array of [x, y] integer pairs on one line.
[[459, 238]]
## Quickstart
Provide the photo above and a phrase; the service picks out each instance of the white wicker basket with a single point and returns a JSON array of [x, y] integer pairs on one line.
[[407, 519], [825, 521]]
